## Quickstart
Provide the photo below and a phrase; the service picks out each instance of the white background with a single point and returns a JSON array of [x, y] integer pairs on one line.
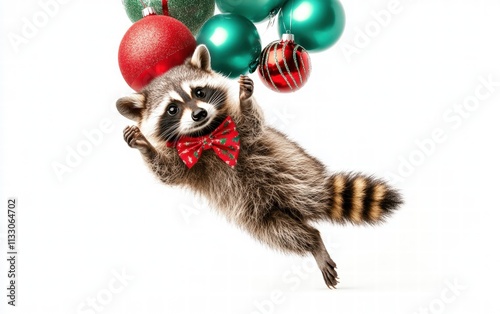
[[365, 113]]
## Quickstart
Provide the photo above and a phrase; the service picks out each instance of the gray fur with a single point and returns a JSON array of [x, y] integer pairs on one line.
[[276, 190]]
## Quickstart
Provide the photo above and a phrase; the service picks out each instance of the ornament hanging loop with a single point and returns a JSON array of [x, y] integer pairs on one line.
[[164, 4]]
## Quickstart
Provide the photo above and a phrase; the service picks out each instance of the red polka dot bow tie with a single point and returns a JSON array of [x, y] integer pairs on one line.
[[224, 140]]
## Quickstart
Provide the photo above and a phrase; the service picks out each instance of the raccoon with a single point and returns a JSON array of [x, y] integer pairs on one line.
[[274, 189]]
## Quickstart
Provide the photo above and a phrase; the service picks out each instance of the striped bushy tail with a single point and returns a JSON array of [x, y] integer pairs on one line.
[[362, 199]]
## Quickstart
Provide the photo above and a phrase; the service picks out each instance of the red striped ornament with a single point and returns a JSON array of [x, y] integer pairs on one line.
[[284, 65]]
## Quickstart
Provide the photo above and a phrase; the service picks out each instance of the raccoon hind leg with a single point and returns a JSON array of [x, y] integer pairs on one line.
[[326, 265], [290, 234]]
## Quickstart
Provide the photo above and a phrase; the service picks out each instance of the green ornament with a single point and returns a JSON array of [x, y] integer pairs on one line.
[[233, 42], [134, 8], [316, 24], [254, 10], [193, 13]]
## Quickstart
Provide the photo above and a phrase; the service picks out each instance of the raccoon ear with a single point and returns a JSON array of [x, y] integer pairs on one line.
[[201, 58], [132, 106]]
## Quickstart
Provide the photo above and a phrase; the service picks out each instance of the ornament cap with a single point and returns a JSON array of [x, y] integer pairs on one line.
[[148, 11], [287, 37]]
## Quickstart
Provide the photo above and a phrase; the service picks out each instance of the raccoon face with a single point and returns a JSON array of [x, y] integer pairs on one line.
[[193, 109], [188, 100]]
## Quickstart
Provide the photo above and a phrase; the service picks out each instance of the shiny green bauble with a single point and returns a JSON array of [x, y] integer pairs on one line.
[[233, 42], [254, 10], [316, 24]]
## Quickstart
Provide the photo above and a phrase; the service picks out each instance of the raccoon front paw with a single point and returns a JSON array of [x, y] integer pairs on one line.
[[135, 139], [246, 87]]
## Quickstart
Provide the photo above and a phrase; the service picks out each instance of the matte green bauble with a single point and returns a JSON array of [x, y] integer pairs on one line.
[[233, 42], [254, 10], [316, 24], [193, 13], [134, 8]]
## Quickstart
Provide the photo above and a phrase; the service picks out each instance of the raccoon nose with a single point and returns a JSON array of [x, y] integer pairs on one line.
[[199, 114]]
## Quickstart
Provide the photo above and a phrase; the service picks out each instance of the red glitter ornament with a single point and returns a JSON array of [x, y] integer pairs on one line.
[[284, 65], [152, 46]]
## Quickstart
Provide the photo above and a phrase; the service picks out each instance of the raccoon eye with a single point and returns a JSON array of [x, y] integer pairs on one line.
[[172, 109], [199, 93]]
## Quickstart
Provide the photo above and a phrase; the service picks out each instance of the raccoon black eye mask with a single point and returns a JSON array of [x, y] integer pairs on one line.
[[275, 190]]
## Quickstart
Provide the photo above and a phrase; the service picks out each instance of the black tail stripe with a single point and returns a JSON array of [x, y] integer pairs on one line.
[[391, 201], [347, 197]]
